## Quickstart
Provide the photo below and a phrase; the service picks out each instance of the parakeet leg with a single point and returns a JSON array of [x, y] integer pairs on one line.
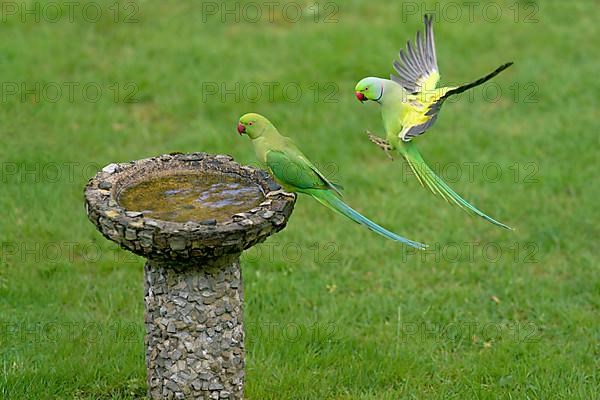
[[382, 143]]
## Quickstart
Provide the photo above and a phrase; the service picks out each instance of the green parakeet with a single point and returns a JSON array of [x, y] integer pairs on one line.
[[410, 104], [295, 173]]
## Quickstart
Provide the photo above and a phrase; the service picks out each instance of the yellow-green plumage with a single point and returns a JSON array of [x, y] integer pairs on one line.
[[410, 103]]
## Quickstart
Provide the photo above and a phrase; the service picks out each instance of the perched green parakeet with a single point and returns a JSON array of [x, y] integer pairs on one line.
[[295, 173], [410, 104]]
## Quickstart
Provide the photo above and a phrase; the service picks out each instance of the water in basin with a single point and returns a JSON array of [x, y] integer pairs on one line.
[[186, 197]]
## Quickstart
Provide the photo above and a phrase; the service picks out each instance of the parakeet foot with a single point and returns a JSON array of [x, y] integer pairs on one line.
[[282, 192], [382, 143]]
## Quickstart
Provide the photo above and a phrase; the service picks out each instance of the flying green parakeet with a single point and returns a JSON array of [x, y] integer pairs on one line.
[[295, 173], [410, 104]]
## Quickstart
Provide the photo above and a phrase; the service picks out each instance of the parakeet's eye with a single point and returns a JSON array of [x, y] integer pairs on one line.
[[250, 123]]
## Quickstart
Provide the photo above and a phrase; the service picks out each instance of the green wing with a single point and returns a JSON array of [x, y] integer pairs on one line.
[[296, 171]]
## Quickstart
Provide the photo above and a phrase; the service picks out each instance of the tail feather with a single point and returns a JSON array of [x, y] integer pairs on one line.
[[435, 107], [479, 81], [329, 200], [437, 186]]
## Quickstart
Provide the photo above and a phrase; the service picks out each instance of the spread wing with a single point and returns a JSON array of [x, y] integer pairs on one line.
[[418, 70], [297, 171]]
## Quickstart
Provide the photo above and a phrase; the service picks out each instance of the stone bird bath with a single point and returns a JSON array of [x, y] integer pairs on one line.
[[192, 277]]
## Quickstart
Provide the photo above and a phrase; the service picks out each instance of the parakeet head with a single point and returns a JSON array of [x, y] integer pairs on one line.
[[253, 125], [369, 89]]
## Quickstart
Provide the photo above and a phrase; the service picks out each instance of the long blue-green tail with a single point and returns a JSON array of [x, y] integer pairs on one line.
[[330, 200], [436, 185]]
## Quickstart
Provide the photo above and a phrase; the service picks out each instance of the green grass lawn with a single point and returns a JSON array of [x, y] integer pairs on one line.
[[333, 311]]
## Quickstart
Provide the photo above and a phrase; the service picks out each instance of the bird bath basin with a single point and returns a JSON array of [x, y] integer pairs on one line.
[[188, 196], [191, 216]]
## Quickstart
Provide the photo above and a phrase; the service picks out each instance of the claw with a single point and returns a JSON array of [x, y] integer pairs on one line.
[[387, 153], [283, 193]]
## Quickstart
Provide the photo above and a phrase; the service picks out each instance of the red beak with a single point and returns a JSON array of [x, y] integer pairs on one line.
[[241, 128], [361, 97]]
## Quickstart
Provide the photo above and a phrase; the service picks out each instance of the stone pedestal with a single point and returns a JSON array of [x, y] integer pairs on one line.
[[192, 279], [194, 330]]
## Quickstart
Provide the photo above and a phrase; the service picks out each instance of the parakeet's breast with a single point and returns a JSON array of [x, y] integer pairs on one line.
[[393, 117], [260, 150]]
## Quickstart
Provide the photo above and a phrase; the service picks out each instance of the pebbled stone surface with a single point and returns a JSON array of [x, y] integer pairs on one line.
[[194, 330]]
